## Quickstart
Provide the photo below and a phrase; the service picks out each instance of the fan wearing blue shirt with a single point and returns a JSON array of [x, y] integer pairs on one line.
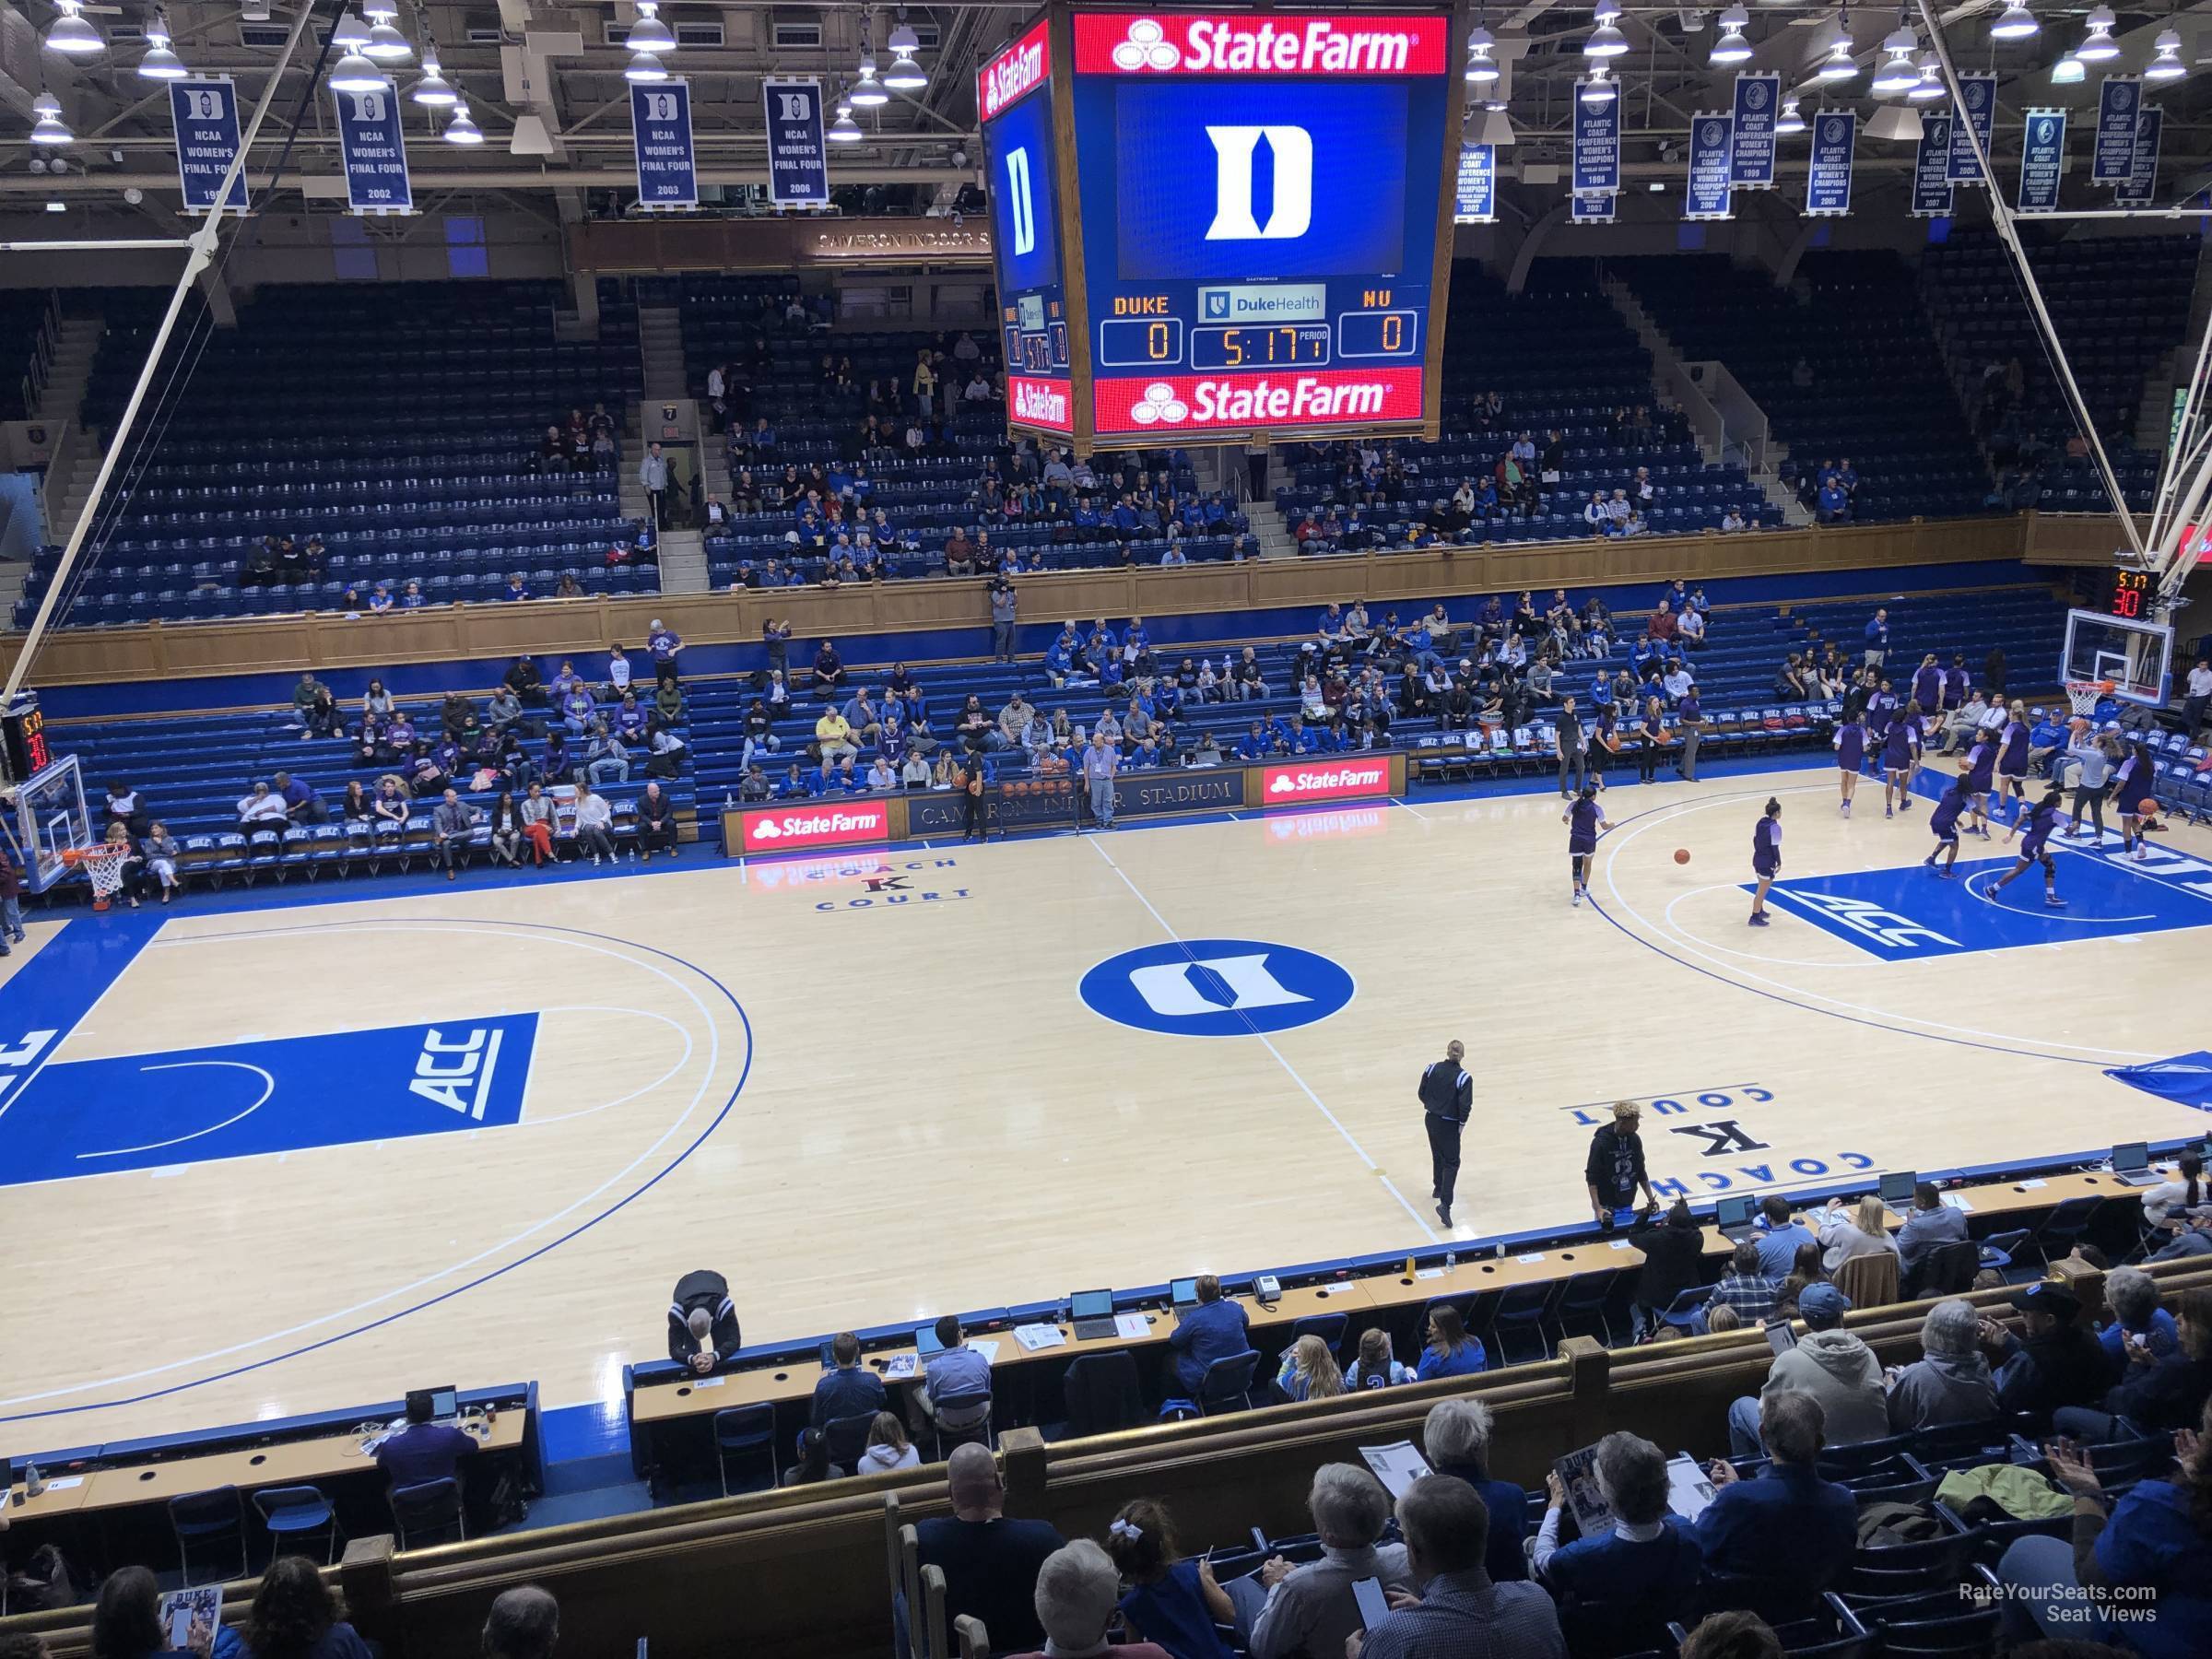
[[1451, 1351], [1215, 1329], [1788, 1526], [1778, 1245], [1649, 1558]]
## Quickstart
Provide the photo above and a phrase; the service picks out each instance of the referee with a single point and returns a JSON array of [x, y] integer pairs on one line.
[[1447, 1096]]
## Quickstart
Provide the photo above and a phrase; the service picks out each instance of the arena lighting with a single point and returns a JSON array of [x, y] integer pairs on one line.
[[356, 73], [1597, 92], [844, 129], [905, 75], [387, 45], [867, 92], [1605, 41], [460, 129], [48, 127], [1930, 85], [2168, 65], [648, 34], [160, 62], [1482, 66], [1899, 124], [2098, 46], [2017, 24], [350, 33], [1732, 47], [1900, 74], [2068, 71], [1789, 121], [433, 91], [903, 41], [70, 35], [1497, 127], [644, 69], [1837, 67], [57, 206]]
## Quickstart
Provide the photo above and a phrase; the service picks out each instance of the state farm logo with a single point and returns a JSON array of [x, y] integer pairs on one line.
[[1245, 401], [1329, 781], [1042, 402], [813, 827], [1159, 406], [1015, 72], [1145, 47], [1193, 43]]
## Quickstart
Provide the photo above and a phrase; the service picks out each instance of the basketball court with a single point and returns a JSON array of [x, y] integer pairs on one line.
[[268, 1157]]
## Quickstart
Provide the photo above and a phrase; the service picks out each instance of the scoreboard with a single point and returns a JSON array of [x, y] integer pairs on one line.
[[1222, 225]]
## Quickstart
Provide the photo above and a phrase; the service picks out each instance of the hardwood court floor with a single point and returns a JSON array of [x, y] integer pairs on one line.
[[870, 1088]]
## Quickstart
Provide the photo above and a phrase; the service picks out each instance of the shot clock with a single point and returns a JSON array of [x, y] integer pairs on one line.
[[1249, 218]]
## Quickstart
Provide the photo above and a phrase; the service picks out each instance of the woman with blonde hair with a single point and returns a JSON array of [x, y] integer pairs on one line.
[[1310, 1371], [1864, 1231]]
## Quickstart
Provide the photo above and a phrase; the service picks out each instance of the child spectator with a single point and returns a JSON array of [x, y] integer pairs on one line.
[[1170, 1602]]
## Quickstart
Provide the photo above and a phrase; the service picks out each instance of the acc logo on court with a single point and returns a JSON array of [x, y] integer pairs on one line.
[[1216, 988]]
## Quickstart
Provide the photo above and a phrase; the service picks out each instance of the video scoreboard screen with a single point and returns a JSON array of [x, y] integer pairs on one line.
[[1254, 215]]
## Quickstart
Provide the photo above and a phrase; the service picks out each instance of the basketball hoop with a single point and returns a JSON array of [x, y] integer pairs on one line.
[[2084, 695], [103, 864]]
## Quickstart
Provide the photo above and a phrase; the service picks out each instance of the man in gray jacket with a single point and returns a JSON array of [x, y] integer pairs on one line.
[[1951, 1382], [1931, 1222], [452, 823], [1827, 1363]]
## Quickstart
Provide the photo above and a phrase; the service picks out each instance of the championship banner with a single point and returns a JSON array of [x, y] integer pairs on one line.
[[1751, 163], [1596, 145], [2042, 153], [372, 147], [1595, 207], [798, 143], [660, 121], [1710, 168], [2113, 160], [205, 116], [1978, 101], [2142, 186], [1932, 194], [1828, 181], [1477, 202]]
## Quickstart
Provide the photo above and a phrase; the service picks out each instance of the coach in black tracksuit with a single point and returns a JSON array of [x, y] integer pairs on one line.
[[1447, 1096]]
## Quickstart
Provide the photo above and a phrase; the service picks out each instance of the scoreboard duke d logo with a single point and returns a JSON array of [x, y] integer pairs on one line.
[[1290, 204]]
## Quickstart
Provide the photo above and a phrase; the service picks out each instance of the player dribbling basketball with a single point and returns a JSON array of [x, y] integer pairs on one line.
[[2035, 848], [1584, 823], [1944, 824], [1900, 754]]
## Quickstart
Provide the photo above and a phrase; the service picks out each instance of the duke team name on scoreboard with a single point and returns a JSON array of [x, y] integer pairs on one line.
[[1222, 224]]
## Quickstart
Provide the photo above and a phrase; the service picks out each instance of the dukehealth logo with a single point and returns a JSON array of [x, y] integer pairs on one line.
[[1201, 43], [1241, 402], [1325, 780], [792, 828], [1040, 402]]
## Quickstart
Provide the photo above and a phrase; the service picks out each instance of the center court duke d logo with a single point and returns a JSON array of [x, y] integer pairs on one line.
[[1216, 988]]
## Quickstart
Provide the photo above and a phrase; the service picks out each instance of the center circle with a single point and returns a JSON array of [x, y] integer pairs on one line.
[[1216, 988]]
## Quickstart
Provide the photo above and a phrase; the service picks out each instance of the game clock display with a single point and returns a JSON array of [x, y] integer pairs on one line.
[[2131, 595], [1252, 219]]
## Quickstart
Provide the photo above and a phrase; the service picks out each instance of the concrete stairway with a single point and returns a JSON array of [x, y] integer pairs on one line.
[[72, 368], [661, 340], [1269, 532]]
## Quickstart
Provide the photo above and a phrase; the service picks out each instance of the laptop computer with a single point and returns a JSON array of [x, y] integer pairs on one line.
[[1184, 1293], [1897, 1187], [925, 1341], [1092, 1311], [2131, 1165], [445, 1403], [1734, 1216]]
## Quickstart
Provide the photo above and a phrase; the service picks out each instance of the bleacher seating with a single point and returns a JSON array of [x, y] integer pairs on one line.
[[398, 427], [1876, 390], [29, 318]]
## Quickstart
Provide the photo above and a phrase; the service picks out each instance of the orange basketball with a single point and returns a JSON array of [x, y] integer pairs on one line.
[[1681, 855], [2147, 808]]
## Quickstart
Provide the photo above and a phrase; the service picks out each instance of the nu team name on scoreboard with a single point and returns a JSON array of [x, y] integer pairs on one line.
[[1244, 237]]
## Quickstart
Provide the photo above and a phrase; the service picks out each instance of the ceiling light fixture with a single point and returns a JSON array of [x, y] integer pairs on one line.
[[2168, 65], [433, 91], [356, 73], [2016, 24], [867, 92], [2098, 46], [648, 34], [1837, 67], [1597, 92], [160, 62], [905, 75], [1930, 87], [1789, 121], [460, 129], [48, 127], [644, 69], [844, 129], [70, 35], [1497, 127], [1900, 72], [2068, 70], [1482, 63], [1733, 46]]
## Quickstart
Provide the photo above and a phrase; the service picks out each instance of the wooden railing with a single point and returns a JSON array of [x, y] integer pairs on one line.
[[462, 632]]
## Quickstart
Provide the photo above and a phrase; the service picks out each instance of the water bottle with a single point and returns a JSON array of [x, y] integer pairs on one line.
[[729, 801], [33, 1482], [1450, 1261]]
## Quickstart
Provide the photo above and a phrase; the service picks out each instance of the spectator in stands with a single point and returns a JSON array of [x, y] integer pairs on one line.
[[425, 1449], [1647, 1561], [296, 1615], [1674, 1260], [127, 1620], [1451, 1351], [1456, 1436], [1456, 1609], [833, 737], [1171, 1601], [702, 1321], [2160, 1390], [1950, 1383], [2053, 1361], [523, 1623], [1827, 1363], [160, 852], [1283, 1610], [1789, 1525], [1864, 1231], [126, 807], [259, 808], [1377, 1367], [828, 670], [1780, 1236], [605, 757], [451, 824], [538, 822], [656, 821], [1744, 1286], [2132, 1575], [1308, 1371], [2197, 699], [653, 478], [302, 802], [506, 821], [411, 596], [991, 1563], [888, 1447], [955, 1372], [594, 824], [1735, 1634], [847, 1389], [1932, 1223], [1214, 1329], [1732, 521], [1077, 1590]]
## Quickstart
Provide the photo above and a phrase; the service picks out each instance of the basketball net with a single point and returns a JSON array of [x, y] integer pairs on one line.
[[103, 867], [2084, 695]]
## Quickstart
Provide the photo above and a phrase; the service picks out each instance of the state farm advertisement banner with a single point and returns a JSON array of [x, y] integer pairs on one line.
[[1191, 403], [813, 824], [1334, 779], [1040, 402], [1235, 43], [1015, 72]]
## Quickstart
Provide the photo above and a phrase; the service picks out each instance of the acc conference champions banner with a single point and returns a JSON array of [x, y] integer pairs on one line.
[[2143, 182], [1932, 190], [1595, 207], [206, 114], [2042, 156], [1978, 94], [1477, 198], [1827, 182], [1596, 145], [798, 145], [659, 118], [373, 147], [1709, 166], [1751, 163], [2118, 100]]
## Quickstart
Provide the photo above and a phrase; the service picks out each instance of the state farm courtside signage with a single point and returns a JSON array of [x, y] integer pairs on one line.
[[660, 120], [205, 115], [798, 145], [1331, 778], [372, 145], [803, 825]]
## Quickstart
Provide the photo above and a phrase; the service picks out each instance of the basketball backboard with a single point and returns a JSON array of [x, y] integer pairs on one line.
[[2137, 656], [49, 818]]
